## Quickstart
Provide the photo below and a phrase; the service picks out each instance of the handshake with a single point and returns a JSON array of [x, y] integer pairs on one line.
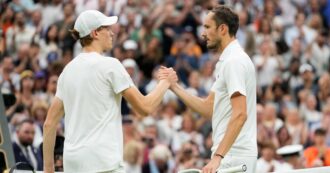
[[168, 75]]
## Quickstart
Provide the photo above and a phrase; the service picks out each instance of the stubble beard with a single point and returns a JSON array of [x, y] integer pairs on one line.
[[214, 47]]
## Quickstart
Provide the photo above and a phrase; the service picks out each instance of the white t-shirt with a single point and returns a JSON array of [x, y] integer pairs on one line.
[[90, 87], [235, 72]]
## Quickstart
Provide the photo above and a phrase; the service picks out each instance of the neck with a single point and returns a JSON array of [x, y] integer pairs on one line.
[[93, 48], [225, 42]]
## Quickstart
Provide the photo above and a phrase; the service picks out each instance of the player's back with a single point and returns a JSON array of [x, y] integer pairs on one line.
[[93, 127]]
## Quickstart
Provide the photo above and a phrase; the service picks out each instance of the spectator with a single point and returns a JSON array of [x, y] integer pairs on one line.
[[23, 148], [267, 162], [188, 157], [187, 133], [38, 115], [19, 33], [284, 137], [50, 50], [320, 53], [245, 34], [268, 65], [318, 154], [160, 161], [23, 61], [311, 116], [206, 76], [9, 79], [291, 159], [296, 126], [323, 89], [170, 123], [300, 30], [64, 25], [132, 157], [25, 95]]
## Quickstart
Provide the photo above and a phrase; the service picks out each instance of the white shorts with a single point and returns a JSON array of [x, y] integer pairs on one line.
[[232, 161]]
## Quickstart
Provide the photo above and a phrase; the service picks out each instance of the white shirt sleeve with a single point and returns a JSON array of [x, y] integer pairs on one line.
[[235, 76], [59, 87], [120, 79]]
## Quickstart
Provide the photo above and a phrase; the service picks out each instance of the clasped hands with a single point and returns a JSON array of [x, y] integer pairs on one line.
[[167, 74]]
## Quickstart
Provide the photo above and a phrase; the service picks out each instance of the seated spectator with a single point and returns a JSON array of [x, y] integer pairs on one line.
[[318, 154], [187, 133], [291, 159], [310, 114], [283, 136], [160, 161], [38, 114], [270, 119], [296, 127], [9, 79], [133, 157], [19, 33], [170, 122], [267, 162], [23, 148], [188, 157]]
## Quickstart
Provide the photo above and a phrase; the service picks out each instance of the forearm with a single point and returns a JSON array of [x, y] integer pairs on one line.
[[48, 147], [233, 129], [54, 115], [195, 103], [154, 98]]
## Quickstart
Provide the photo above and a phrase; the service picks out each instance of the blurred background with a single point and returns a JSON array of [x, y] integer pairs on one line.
[[287, 40]]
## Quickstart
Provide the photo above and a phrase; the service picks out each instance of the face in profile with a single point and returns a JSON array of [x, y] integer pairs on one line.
[[106, 37], [210, 33]]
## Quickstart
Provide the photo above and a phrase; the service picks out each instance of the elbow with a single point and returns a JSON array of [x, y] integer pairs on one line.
[[241, 117], [145, 111], [208, 115], [48, 126]]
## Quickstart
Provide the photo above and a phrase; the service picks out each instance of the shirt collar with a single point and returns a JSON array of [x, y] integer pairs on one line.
[[231, 47]]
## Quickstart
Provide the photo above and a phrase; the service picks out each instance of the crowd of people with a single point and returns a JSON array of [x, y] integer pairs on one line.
[[288, 42]]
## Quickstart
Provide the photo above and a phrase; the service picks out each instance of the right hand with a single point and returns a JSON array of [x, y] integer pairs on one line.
[[167, 74]]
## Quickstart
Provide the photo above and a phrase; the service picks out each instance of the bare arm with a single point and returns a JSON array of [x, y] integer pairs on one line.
[[55, 113], [236, 122], [202, 106], [145, 105]]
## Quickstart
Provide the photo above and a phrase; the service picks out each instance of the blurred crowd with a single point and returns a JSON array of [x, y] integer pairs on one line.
[[287, 40]]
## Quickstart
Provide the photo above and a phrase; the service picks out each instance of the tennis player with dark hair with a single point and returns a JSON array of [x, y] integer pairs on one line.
[[89, 93], [232, 101]]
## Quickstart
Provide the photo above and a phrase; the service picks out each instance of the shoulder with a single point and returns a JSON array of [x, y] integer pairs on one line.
[[16, 147], [236, 60], [109, 59], [108, 62]]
